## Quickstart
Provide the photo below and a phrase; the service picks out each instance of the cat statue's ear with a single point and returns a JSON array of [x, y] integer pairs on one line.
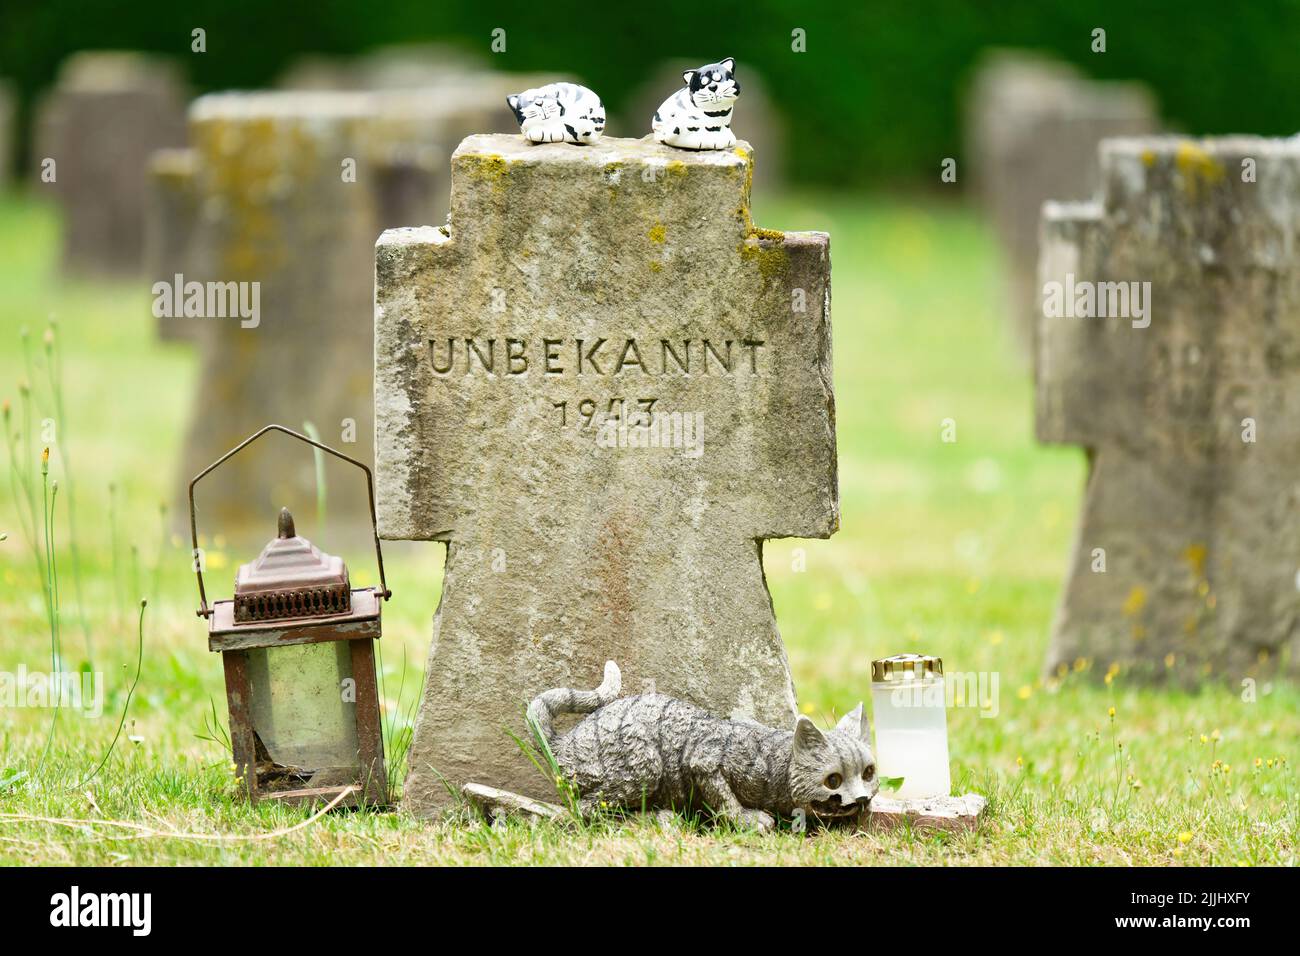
[[729, 63], [856, 724], [689, 75], [806, 734], [513, 101]]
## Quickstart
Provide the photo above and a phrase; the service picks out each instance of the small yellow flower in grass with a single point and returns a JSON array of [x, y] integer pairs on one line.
[[1020, 761], [1204, 739], [1178, 851], [1080, 664], [1108, 678], [604, 805], [45, 462], [1025, 692], [808, 707], [1215, 735], [1111, 713], [1185, 837], [1169, 659], [1269, 764], [995, 638], [1259, 761]]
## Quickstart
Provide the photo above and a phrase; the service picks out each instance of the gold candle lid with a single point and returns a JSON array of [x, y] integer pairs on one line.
[[906, 667]]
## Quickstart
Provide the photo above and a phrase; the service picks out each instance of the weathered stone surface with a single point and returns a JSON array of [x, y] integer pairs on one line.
[[757, 120], [1198, 528], [170, 217], [1032, 129], [953, 814], [108, 112], [564, 553], [8, 111]]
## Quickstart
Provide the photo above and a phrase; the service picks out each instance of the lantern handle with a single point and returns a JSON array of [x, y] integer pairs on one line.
[[204, 610]]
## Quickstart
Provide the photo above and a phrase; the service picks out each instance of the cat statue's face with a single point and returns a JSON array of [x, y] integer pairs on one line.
[[833, 773], [713, 87], [534, 108]]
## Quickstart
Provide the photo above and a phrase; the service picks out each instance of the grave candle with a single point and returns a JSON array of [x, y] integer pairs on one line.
[[907, 700]]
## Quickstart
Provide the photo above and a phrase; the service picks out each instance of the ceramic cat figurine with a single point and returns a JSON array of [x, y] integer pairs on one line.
[[698, 116], [559, 113], [656, 752]]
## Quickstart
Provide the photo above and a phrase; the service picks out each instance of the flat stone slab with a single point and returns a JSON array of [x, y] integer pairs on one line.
[[495, 803], [603, 387], [954, 814]]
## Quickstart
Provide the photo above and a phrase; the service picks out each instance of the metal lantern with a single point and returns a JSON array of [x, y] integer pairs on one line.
[[296, 642]]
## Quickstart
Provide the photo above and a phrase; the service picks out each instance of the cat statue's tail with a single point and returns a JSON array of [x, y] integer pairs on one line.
[[565, 700]]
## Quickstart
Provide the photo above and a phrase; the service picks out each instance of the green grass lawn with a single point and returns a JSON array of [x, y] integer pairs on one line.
[[956, 549]]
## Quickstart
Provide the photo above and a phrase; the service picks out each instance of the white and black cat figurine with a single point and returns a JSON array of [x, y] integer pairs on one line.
[[698, 116], [559, 113]]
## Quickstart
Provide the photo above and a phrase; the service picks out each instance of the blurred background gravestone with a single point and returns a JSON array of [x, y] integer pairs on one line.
[[1187, 558], [1032, 129], [291, 190], [108, 111], [286, 196], [170, 215], [413, 130], [8, 110], [395, 67], [756, 119]]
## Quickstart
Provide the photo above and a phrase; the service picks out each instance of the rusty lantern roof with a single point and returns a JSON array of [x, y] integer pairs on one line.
[[291, 578]]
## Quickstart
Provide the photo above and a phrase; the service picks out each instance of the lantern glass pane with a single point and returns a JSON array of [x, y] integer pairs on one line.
[[303, 706]]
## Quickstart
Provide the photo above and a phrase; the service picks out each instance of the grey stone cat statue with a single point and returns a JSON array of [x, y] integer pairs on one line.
[[652, 751]]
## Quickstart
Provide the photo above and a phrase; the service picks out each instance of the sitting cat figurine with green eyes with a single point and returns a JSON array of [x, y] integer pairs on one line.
[[656, 752]]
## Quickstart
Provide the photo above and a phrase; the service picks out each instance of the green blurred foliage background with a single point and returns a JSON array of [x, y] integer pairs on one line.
[[875, 99]]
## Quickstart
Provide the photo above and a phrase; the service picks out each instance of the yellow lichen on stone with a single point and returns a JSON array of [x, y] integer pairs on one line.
[[656, 266], [1136, 600], [771, 258], [1148, 158], [492, 168], [1197, 167], [658, 233], [676, 168]]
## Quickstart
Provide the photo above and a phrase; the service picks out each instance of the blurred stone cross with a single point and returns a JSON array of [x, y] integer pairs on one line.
[[603, 387], [1169, 349]]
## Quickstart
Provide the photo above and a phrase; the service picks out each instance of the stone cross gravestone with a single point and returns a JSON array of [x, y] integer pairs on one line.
[[603, 388], [1032, 129], [1168, 349], [98, 126]]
